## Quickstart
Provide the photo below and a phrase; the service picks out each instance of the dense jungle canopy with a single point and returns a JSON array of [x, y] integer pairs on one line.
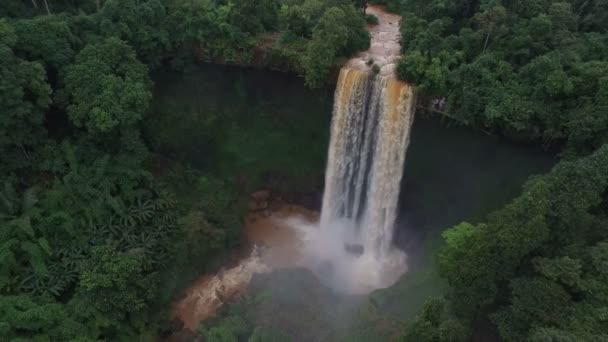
[[92, 228]]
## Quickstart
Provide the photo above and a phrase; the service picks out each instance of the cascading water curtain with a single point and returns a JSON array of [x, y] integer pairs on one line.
[[370, 131]]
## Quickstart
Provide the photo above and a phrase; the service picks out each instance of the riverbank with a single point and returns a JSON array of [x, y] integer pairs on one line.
[[269, 243]]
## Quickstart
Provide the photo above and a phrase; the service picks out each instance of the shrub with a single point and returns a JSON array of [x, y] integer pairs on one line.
[[371, 19]]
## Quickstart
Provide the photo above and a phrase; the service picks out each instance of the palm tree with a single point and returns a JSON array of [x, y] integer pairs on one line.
[[19, 242]]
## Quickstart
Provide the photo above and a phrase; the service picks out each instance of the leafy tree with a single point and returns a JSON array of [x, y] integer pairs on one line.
[[109, 87], [301, 17], [491, 22], [205, 27], [23, 319], [85, 230], [328, 37], [331, 29], [255, 16], [21, 243], [46, 39], [430, 75], [543, 46], [432, 325], [230, 329], [24, 96], [140, 23], [114, 291], [534, 266], [358, 36]]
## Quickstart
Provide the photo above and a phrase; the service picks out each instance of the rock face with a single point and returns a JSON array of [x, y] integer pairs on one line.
[[385, 48]]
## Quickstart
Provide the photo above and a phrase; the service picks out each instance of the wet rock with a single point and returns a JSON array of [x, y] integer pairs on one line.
[[354, 249]]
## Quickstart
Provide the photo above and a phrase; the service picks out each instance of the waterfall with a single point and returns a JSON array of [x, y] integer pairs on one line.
[[369, 137], [351, 247], [370, 132]]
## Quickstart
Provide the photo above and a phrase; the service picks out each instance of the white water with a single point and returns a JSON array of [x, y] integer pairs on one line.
[[352, 249]]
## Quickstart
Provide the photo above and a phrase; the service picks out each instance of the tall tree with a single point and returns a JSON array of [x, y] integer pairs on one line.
[[108, 86], [24, 97], [537, 266], [327, 38], [140, 23]]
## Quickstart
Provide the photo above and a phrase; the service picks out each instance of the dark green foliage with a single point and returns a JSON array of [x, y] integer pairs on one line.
[[23, 319], [255, 16], [115, 286], [327, 38], [205, 27], [335, 28], [108, 86], [235, 323], [532, 70], [432, 325], [140, 23], [537, 267], [85, 231], [88, 236], [24, 97], [46, 39], [371, 19]]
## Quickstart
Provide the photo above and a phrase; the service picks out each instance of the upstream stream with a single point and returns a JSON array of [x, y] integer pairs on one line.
[[451, 174]]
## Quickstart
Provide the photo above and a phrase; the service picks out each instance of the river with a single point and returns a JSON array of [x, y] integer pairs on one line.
[[267, 127]]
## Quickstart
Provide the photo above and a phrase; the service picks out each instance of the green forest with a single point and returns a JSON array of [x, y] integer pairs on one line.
[[535, 71], [98, 231]]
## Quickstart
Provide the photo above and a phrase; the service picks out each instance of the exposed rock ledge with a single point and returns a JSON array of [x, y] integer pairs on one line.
[[385, 47]]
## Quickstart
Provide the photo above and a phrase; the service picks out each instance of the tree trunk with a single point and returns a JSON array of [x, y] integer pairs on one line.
[[35, 4], [46, 4], [485, 45], [27, 155], [98, 3]]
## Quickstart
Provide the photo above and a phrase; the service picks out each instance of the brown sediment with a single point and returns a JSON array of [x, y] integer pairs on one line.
[[270, 244], [279, 242]]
